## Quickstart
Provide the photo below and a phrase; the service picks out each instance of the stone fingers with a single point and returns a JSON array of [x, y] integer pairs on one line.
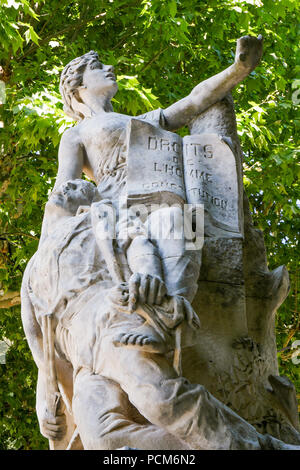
[[54, 427], [146, 289], [153, 290], [56, 420], [161, 292], [249, 51], [191, 316], [178, 306], [134, 284]]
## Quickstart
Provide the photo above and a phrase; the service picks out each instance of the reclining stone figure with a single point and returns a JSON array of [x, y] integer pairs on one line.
[[90, 312]]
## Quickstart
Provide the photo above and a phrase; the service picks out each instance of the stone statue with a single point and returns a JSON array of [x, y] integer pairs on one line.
[[111, 308]]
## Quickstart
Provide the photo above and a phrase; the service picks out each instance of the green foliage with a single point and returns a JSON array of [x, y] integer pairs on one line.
[[160, 50], [19, 427]]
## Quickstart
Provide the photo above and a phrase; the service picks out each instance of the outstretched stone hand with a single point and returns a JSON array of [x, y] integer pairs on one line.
[[248, 53]]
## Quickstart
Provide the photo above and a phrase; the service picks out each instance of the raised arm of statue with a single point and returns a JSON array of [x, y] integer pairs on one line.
[[208, 92]]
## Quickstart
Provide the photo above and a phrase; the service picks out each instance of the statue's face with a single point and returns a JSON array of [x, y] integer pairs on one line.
[[99, 79], [72, 194]]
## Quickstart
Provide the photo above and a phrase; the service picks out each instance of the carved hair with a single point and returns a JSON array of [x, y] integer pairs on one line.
[[71, 80]]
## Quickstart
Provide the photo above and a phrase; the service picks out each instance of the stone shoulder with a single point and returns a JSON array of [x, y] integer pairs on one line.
[[71, 136]]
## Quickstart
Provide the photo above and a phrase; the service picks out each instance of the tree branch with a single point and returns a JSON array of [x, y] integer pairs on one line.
[[21, 234], [153, 59], [9, 299], [55, 35]]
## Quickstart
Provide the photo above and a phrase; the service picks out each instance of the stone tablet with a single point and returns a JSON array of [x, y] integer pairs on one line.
[[211, 178], [155, 168]]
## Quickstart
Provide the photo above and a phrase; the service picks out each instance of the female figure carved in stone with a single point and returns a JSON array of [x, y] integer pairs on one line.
[[97, 145]]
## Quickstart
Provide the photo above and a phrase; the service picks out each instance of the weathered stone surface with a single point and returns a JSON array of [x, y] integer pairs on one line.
[[222, 261], [155, 164], [211, 178]]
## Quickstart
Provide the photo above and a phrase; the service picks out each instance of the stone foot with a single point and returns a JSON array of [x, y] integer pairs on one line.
[[148, 342]]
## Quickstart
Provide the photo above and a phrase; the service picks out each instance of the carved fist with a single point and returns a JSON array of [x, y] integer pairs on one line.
[[248, 52], [53, 428]]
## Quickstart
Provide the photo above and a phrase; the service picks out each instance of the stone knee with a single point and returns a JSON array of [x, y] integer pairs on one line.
[[99, 409], [172, 399]]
